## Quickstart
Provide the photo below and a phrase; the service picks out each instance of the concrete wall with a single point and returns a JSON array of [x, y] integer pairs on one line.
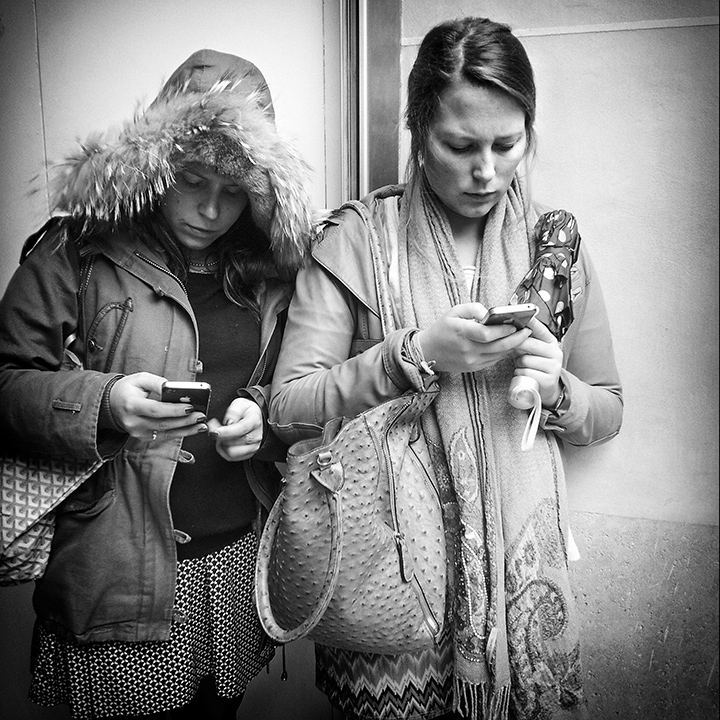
[[69, 67], [628, 142]]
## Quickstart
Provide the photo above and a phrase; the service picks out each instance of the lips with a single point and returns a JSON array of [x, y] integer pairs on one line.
[[198, 230], [481, 196]]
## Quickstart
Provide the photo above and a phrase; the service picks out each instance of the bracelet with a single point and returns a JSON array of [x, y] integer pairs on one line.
[[106, 414], [555, 409], [412, 353]]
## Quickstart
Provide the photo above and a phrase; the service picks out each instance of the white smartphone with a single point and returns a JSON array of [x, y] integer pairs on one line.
[[196, 394], [517, 315]]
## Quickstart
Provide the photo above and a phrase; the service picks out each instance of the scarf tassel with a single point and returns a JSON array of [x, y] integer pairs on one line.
[[480, 702]]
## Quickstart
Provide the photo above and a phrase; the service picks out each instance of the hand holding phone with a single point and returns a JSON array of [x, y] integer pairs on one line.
[[196, 394], [517, 315]]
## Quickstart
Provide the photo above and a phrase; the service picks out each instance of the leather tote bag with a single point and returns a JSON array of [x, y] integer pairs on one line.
[[353, 553]]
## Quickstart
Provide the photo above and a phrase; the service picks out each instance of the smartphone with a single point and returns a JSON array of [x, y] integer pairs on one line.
[[196, 394], [517, 315]]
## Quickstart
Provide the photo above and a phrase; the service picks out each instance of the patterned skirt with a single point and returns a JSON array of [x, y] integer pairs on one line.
[[220, 636], [366, 686]]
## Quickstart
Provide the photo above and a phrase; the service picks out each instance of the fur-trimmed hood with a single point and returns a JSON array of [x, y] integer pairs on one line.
[[215, 109]]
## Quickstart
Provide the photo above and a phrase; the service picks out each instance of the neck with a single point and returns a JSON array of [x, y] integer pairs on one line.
[[467, 235], [201, 261], [200, 257]]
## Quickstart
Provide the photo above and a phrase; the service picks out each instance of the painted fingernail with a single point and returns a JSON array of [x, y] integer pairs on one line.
[[189, 410], [203, 429], [202, 418]]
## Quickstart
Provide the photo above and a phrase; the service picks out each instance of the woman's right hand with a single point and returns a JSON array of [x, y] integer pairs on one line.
[[135, 407], [459, 342]]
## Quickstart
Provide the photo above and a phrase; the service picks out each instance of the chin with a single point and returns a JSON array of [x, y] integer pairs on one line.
[[194, 243]]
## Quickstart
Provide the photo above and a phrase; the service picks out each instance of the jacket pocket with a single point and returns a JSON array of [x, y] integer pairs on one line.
[[94, 495], [104, 333], [90, 510]]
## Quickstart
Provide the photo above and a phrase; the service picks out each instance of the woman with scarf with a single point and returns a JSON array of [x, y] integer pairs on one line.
[[172, 258], [458, 237]]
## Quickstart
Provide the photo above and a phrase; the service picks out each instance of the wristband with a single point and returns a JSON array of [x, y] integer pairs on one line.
[[557, 409], [412, 353]]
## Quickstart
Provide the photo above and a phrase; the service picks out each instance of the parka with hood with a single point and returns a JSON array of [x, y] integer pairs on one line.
[[94, 298]]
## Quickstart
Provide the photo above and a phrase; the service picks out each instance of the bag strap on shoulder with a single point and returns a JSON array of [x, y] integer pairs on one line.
[[382, 287]]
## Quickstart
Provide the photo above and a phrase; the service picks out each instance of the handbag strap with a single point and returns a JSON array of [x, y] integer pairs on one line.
[[262, 591], [382, 286]]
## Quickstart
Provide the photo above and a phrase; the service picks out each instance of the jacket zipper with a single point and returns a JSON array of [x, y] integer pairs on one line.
[[162, 269]]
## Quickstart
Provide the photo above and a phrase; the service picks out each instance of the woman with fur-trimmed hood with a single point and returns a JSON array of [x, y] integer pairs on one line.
[[171, 258]]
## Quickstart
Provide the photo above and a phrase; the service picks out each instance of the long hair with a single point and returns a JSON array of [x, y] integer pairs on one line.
[[245, 258]]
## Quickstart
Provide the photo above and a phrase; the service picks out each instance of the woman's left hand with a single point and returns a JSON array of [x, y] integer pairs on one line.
[[241, 432], [541, 358]]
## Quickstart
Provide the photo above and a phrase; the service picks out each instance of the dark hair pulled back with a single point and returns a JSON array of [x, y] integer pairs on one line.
[[478, 50]]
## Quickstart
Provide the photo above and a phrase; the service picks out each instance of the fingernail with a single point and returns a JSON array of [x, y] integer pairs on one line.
[[189, 410], [203, 429], [202, 418], [213, 434]]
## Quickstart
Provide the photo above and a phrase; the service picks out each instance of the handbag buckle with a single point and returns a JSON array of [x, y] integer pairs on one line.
[[324, 458]]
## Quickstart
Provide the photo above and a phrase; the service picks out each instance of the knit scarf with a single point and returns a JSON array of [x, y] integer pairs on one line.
[[514, 634]]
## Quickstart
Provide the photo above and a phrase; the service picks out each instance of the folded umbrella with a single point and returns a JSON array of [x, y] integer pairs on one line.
[[548, 283]]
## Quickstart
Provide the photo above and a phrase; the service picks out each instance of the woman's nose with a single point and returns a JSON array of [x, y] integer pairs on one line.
[[209, 206], [483, 168]]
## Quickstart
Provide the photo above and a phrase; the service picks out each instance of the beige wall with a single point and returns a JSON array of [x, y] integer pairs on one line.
[[628, 142], [70, 67]]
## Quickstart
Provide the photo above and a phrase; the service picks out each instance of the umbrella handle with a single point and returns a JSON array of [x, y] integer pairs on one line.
[[524, 394]]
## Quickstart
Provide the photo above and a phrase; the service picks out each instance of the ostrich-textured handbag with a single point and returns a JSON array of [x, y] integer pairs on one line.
[[32, 487], [353, 553]]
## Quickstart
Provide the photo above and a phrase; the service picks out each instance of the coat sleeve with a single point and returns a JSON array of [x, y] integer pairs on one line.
[[47, 407], [316, 379], [590, 376]]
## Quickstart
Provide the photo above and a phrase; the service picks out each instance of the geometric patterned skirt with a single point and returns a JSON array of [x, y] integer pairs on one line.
[[366, 686], [219, 636]]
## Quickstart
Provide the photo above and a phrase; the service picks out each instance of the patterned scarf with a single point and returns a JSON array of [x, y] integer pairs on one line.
[[514, 635]]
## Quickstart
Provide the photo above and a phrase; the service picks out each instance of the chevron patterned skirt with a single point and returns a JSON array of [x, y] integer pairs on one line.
[[365, 686]]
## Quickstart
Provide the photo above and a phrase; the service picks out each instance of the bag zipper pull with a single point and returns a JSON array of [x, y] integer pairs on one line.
[[407, 571]]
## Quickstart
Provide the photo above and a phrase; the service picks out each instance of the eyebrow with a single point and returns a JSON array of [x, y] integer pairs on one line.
[[462, 136]]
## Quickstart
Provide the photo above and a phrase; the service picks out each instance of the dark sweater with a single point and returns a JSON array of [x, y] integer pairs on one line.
[[210, 499]]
